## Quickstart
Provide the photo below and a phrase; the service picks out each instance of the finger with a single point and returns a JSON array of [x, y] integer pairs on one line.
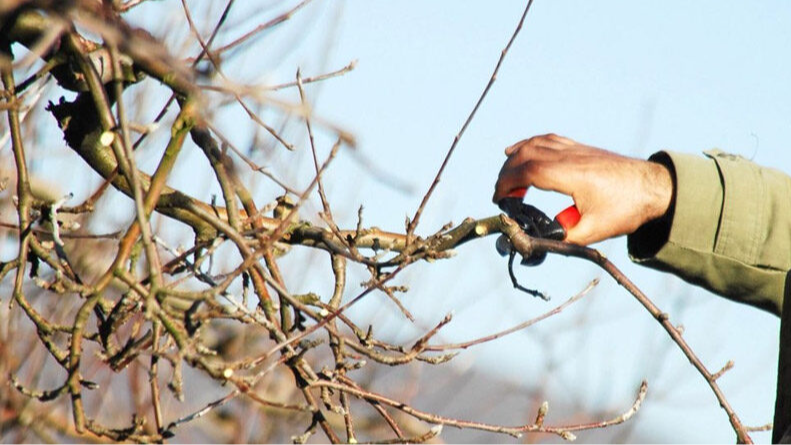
[[536, 150], [561, 139], [551, 175], [546, 175], [508, 182], [584, 233], [552, 141]]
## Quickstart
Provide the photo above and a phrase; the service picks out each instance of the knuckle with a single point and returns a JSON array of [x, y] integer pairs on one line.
[[535, 140], [544, 138]]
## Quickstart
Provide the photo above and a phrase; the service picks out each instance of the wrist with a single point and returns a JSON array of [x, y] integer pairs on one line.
[[650, 237], [660, 189]]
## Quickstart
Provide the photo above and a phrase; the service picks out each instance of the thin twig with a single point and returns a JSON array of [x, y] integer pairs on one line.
[[515, 431], [416, 219], [518, 327], [255, 89], [765, 427], [264, 26]]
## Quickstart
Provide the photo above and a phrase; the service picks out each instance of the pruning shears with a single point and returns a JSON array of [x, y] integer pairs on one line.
[[534, 223]]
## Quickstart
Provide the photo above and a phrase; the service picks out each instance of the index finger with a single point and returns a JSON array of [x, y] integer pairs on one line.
[[549, 141], [545, 175]]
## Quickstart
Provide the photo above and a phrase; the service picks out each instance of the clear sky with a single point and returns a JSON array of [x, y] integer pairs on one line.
[[632, 77]]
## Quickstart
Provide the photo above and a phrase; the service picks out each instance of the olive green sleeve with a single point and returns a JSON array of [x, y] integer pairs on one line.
[[728, 230]]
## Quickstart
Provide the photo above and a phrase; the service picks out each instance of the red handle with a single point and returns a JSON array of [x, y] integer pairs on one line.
[[569, 217]]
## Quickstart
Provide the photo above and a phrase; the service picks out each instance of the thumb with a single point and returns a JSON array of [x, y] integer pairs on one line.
[[583, 233]]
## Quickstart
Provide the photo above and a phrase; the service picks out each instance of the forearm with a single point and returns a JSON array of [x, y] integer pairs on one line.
[[729, 229]]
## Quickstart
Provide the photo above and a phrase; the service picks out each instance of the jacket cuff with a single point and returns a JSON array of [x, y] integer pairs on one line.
[[713, 231], [693, 218]]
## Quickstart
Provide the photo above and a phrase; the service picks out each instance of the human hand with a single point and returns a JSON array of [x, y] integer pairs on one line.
[[614, 194]]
